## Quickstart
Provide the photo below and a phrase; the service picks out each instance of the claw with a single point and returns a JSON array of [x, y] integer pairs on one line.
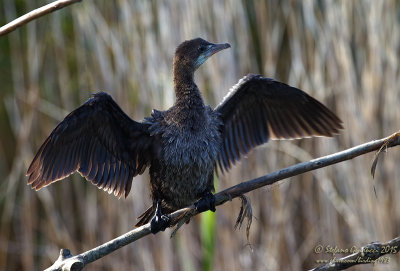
[[159, 222], [206, 203]]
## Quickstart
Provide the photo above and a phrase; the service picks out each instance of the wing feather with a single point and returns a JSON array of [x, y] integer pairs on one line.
[[100, 142], [257, 109]]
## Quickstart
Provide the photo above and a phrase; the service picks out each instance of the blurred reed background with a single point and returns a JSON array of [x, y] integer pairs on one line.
[[344, 53]]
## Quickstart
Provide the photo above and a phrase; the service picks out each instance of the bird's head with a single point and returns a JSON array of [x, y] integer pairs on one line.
[[192, 53]]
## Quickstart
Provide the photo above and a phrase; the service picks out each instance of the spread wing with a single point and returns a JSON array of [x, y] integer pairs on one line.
[[100, 142], [257, 109]]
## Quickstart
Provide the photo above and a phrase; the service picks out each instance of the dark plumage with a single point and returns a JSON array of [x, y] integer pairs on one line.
[[182, 145]]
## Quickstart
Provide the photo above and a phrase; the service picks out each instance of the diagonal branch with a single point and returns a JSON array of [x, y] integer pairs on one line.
[[245, 187], [66, 261], [34, 14]]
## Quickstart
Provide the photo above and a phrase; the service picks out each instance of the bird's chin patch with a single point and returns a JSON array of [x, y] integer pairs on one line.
[[200, 61]]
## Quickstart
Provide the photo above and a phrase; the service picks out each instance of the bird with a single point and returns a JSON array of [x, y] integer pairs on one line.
[[182, 146]]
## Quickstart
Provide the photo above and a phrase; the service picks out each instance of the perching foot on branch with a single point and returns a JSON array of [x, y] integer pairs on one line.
[[159, 222], [206, 203]]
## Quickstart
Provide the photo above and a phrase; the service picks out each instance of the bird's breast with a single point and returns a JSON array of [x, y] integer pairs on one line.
[[186, 162], [189, 146]]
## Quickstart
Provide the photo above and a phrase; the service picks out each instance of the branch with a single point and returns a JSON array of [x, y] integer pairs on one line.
[[11, 26], [66, 261], [367, 254]]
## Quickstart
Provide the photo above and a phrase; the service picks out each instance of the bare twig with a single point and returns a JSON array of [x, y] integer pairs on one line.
[[11, 26], [367, 254], [300, 168], [66, 260]]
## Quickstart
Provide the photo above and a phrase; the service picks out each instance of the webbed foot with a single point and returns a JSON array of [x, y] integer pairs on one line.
[[207, 202], [159, 222]]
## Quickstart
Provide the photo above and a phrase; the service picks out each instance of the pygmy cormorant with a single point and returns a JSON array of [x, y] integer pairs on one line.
[[182, 145]]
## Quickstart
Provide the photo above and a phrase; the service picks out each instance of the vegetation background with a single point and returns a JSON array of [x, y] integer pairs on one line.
[[344, 53]]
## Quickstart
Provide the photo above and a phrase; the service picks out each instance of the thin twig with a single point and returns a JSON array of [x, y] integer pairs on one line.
[[56, 5], [66, 261]]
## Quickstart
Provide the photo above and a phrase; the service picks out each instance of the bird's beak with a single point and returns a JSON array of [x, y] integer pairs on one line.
[[215, 48], [211, 49]]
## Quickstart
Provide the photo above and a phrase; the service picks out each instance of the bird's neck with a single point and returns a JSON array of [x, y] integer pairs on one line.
[[187, 93]]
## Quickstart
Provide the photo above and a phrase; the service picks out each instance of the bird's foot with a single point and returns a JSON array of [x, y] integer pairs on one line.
[[207, 202], [159, 222]]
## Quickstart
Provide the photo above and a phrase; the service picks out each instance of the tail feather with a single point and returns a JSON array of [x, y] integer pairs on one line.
[[146, 217]]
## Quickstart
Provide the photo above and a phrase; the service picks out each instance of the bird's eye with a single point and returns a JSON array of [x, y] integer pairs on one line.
[[202, 48]]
